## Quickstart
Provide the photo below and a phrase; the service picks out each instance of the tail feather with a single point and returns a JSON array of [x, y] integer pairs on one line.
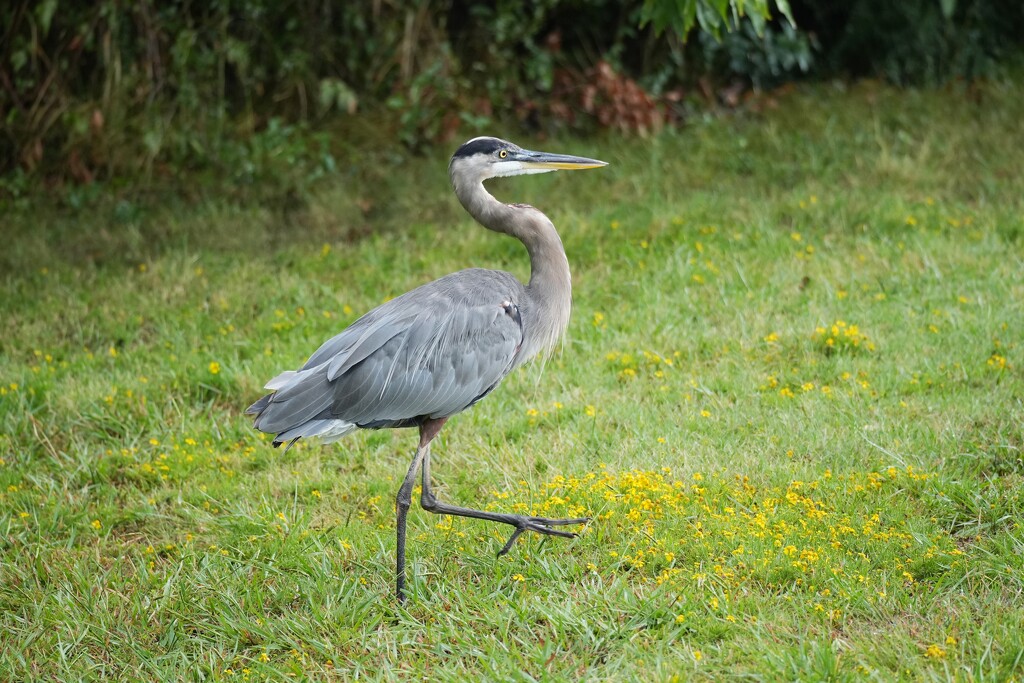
[[281, 381], [327, 430], [259, 406]]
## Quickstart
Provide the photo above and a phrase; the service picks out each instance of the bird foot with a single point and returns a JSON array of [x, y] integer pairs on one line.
[[541, 525]]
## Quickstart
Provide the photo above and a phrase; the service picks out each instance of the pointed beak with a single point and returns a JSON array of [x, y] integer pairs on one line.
[[555, 162]]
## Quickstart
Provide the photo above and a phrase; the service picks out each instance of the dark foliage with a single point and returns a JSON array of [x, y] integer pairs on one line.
[[913, 42], [108, 88]]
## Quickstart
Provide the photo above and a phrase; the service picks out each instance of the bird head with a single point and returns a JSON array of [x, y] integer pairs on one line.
[[486, 157]]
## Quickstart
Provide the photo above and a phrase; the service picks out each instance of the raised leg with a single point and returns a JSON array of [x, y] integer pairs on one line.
[[428, 430], [540, 525]]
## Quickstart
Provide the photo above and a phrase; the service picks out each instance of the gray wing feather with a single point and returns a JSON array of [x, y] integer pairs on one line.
[[431, 352]]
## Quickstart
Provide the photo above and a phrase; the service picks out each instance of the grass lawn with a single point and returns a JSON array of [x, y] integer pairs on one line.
[[791, 399]]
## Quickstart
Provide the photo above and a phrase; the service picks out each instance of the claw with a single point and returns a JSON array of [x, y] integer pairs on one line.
[[541, 525], [511, 539]]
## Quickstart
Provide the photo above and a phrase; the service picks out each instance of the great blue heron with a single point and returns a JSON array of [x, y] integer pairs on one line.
[[433, 352]]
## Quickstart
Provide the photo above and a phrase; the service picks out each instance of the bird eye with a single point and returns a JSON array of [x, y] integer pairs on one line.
[[503, 153]]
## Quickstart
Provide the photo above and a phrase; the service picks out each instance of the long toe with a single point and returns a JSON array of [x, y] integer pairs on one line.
[[558, 522], [541, 525], [548, 531]]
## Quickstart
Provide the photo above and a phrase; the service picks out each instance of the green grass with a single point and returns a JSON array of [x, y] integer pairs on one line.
[[766, 504]]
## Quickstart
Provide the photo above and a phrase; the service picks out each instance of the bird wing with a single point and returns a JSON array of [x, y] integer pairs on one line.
[[431, 352]]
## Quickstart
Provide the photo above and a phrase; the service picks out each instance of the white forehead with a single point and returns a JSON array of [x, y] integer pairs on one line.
[[487, 137]]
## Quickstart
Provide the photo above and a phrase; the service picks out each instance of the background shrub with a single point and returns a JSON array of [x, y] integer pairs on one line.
[[108, 89]]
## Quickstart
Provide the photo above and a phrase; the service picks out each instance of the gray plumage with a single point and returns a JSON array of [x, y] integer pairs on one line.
[[433, 352]]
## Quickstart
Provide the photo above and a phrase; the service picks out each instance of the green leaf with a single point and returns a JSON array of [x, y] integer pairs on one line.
[[784, 10], [19, 58], [710, 15], [44, 12]]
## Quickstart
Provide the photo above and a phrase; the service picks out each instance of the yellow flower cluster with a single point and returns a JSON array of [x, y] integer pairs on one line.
[[179, 459], [844, 382], [648, 364], [841, 336], [834, 541], [998, 362]]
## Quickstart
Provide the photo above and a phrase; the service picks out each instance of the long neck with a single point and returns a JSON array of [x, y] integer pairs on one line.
[[549, 292]]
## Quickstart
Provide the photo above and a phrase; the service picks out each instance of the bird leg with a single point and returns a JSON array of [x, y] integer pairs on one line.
[[430, 503], [402, 504], [540, 525]]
